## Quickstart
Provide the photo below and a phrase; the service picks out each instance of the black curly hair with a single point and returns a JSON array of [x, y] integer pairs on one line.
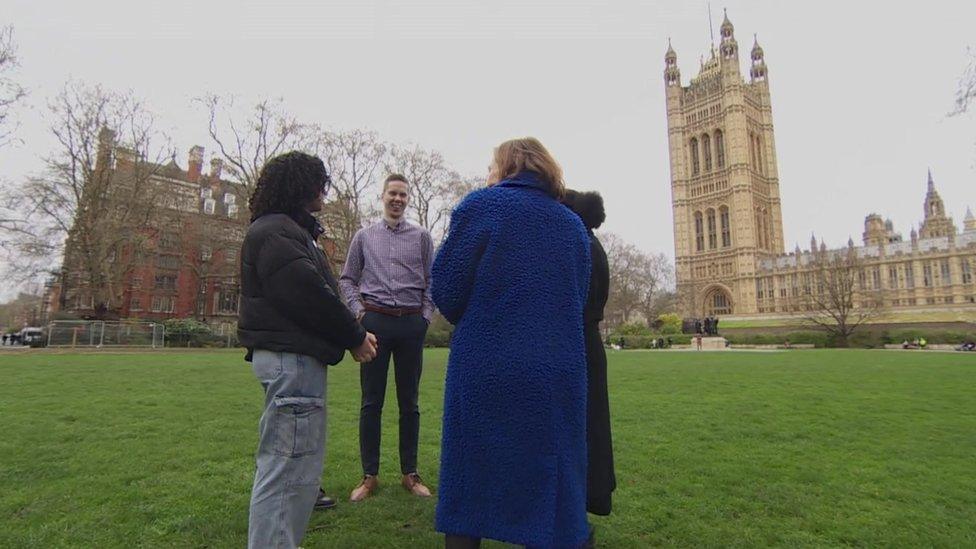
[[588, 206], [287, 183]]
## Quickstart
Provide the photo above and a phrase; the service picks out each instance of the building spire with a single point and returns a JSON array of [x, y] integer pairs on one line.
[[758, 69], [711, 27], [726, 30], [728, 46], [672, 76], [935, 223]]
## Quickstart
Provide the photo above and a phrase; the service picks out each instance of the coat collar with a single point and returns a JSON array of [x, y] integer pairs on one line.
[[528, 179], [308, 222]]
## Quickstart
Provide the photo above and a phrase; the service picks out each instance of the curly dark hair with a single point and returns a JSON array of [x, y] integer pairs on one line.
[[588, 206], [287, 183]]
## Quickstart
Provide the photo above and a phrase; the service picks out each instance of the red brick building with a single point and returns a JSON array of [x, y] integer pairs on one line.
[[184, 264]]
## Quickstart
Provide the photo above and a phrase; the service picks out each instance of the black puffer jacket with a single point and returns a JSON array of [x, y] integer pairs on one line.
[[289, 297]]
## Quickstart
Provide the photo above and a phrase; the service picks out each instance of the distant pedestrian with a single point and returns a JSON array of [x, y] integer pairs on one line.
[[698, 341]]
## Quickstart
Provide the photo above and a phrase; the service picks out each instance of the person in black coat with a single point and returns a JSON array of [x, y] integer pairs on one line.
[[601, 480], [293, 324]]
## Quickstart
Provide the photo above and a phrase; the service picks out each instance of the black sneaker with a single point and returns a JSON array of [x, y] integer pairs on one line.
[[323, 501]]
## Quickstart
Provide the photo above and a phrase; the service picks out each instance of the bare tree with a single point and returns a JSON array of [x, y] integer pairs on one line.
[[658, 280], [456, 189], [97, 200], [10, 91], [966, 91], [840, 294], [461, 186], [354, 159], [247, 138], [637, 280]]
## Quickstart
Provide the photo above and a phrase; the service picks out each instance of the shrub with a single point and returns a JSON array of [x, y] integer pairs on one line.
[[817, 339], [646, 341], [187, 332], [633, 329], [670, 323], [438, 338]]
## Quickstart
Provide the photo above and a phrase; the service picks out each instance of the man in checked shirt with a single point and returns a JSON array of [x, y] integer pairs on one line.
[[386, 283]]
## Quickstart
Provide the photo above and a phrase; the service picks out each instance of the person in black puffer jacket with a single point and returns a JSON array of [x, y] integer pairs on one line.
[[293, 324]]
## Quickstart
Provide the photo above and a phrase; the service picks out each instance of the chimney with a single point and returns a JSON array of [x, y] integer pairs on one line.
[[106, 149], [216, 167], [196, 164]]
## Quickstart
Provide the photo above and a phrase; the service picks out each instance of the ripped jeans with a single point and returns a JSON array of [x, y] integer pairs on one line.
[[291, 448]]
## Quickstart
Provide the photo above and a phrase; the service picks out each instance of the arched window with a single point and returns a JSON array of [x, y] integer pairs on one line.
[[764, 235], [707, 152], [759, 156], [712, 236], [752, 149], [718, 302], [760, 232], [726, 226], [699, 232], [719, 149], [694, 156]]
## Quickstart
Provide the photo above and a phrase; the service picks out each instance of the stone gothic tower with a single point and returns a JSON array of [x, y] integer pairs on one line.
[[724, 180], [935, 223]]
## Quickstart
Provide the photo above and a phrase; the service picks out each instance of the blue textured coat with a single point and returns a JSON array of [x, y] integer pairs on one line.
[[512, 276]]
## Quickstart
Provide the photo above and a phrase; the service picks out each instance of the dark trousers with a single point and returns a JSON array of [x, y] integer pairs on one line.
[[403, 339]]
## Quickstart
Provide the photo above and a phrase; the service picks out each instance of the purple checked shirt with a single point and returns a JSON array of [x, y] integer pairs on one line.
[[389, 267]]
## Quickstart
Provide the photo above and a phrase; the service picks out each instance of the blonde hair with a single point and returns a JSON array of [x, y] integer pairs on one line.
[[527, 153]]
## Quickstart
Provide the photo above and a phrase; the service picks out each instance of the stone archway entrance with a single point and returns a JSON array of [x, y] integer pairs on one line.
[[718, 302]]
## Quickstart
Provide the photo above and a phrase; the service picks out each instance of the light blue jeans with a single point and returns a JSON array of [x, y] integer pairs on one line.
[[290, 450]]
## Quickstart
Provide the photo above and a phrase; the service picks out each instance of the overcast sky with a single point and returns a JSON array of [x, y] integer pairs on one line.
[[860, 90]]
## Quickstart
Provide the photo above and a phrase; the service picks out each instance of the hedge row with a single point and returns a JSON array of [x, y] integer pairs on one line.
[[860, 339], [646, 341]]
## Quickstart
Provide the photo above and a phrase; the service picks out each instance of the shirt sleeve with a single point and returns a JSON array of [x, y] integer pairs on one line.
[[427, 250], [352, 272]]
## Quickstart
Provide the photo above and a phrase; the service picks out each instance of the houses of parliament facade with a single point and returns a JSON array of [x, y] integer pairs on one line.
[[730, 257]]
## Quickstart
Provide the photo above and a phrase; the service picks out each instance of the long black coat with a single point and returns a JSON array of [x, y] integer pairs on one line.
[[601, 479]]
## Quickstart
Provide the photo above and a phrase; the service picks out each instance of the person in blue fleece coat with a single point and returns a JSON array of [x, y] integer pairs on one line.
[[512, 276]]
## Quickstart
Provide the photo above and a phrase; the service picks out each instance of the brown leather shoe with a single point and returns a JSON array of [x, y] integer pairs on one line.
[[365, 488], [415, 486]]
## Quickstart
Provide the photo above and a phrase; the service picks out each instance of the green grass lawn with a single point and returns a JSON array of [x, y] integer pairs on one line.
[[825, 448]]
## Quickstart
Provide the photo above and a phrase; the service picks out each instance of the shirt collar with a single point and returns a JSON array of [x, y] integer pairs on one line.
[[401, 224]]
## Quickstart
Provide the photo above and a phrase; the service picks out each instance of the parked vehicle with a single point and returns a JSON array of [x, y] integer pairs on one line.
[[31, 335]]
